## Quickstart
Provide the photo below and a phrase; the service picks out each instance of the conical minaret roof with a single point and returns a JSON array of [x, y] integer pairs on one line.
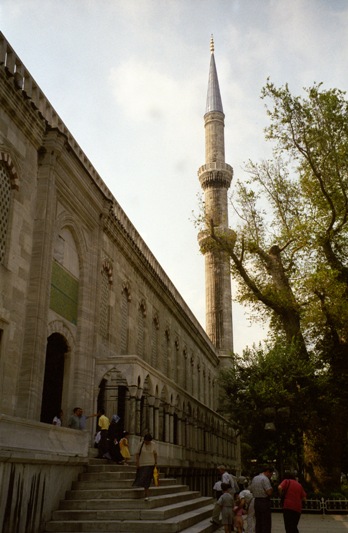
[[214, 102]]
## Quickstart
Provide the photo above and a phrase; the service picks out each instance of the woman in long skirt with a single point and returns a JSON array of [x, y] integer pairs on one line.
[[146, 460]]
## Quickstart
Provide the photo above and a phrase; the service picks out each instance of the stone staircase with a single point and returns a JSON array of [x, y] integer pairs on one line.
[[103, 500]]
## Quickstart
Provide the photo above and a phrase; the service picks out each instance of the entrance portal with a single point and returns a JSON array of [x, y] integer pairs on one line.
[[54, 373]]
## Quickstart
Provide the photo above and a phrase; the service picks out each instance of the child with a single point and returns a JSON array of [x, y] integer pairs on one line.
[[226, 503], [238, 514], [124, 447]]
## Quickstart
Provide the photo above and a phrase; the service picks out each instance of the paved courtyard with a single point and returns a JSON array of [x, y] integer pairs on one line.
[[312, 523]]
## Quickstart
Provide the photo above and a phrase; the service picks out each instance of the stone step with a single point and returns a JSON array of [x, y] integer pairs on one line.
[[96, 476], [155, 501], [98, 461], [106, 466], [178, 523], [122, 492], [146, 512], [103, 500], [112, 472], [105, 480]]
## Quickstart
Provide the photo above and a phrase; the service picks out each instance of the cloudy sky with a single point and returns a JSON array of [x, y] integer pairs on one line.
[[129, 79]]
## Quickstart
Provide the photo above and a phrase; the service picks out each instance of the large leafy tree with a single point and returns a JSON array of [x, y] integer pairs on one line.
[[290, 255], [266, 392]]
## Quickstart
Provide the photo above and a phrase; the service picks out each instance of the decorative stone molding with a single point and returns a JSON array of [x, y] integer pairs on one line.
[[156, 320], [108, 269], [126, 290], [142, 307], [7, 160], [57, 326], [215, 178]]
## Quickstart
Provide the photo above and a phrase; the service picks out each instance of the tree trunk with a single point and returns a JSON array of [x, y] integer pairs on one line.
[[323, 445]]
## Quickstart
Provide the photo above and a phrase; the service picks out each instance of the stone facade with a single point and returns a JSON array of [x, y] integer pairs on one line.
[[87, 318]]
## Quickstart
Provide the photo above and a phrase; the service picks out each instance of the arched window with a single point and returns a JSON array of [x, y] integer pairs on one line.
[[65, 276]]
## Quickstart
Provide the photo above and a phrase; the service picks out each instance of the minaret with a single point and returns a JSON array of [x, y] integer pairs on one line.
[[215, 178]]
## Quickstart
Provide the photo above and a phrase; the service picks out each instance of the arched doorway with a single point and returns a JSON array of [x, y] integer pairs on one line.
[[53, 381], [112, 396]]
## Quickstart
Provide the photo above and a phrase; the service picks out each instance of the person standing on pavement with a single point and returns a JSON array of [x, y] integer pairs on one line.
[[229, 480], [248, 502], [226, 503], [262, 490], [292, 494]]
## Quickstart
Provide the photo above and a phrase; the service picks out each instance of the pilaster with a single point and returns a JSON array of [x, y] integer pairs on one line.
[[35, 338]]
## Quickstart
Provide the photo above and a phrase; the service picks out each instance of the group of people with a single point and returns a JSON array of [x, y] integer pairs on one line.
[[110, 445], [113, 448], [76, 421], [254, 503], [251, 505]]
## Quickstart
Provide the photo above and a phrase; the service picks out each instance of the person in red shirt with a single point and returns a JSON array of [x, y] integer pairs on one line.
[[292, 494]]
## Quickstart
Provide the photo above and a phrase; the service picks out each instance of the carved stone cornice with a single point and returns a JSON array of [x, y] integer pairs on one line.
[[215, 178]]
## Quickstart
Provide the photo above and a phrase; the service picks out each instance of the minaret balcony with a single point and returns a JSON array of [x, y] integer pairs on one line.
[[215, 175], [226, 240]]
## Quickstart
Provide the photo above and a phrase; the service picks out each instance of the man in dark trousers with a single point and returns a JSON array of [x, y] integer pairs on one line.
[[261, 489]]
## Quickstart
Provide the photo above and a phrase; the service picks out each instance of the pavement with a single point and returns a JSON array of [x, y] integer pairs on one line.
[[311, 523]]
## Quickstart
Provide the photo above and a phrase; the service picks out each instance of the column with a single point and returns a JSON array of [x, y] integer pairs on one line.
[[151, 403], [171, 424], [166, 424], [156, 419], [132, 409]]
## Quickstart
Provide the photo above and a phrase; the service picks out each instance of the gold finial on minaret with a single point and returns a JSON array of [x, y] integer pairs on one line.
[[212, 43]]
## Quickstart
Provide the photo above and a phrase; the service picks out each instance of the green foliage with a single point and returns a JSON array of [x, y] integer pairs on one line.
[[290, 256], [269, 385]]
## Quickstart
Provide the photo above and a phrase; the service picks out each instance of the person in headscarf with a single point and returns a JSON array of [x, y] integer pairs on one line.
[[113, 438]]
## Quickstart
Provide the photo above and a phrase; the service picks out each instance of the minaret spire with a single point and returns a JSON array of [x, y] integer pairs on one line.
[[214, 102], [215, 177]]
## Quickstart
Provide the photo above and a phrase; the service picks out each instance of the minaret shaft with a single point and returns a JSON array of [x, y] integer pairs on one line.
[[215, 177], [214, 137]]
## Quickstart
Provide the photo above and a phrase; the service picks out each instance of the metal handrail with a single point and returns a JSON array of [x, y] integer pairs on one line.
[[317, 505]]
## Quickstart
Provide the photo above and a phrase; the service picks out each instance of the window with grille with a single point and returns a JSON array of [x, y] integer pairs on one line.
[[5, 198], [141, 330], [104, 306], [154, 349], [166, 353], [124, 321]]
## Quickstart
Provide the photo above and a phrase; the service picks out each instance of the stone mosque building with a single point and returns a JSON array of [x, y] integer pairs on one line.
[[89, 318]]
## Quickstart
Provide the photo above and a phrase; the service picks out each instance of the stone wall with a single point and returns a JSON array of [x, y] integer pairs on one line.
[[38, 463], [88, 318]]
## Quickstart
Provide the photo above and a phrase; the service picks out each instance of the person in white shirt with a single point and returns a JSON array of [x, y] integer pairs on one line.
[[262, 490], [146, 460]]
